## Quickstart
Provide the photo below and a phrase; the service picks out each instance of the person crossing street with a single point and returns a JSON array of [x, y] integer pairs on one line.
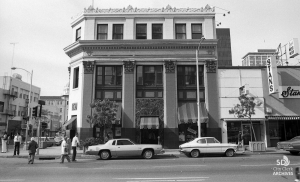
[[75, 143], [31, 150]]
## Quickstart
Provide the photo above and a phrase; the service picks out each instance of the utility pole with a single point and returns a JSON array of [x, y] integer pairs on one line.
[[12, 60]]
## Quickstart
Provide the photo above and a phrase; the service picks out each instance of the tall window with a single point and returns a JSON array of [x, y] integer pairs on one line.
[[149, 75], [102, 32], [78, 34], [1, 106], [109, 75], [180, 31], [157, 31], [196, 31], [118, 31], [76, 77], [187, 76], [141, 31]]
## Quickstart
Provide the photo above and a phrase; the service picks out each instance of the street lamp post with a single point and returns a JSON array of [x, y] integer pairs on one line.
[[198, 97], [28, 109]]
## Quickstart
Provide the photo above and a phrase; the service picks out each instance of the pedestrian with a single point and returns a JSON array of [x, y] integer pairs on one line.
[[7, 143], [4, 143], [75, 143], [17, 142], [64, 151], [31, 150], [240, 139]]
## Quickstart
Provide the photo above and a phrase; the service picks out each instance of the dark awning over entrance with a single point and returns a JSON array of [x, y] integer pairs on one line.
[[187, 112], [149, 123], [70, 121]]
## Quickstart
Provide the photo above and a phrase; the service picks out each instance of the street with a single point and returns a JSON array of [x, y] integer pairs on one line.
[[160, 169]]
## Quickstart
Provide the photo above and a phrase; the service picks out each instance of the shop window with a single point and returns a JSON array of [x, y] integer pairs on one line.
[[157, 31], [76, 77], [149, 94], [180, 31], [191, 94], [196, 31], [109, 75], [78, 34], [141, 31], [102, 32], [113, 95], [118, 31], [108, 95]]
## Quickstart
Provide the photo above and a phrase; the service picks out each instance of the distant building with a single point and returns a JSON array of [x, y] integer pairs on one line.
[[14, 99], [224, 47], [257, 58]]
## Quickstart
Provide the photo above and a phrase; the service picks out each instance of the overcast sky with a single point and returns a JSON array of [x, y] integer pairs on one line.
[[41, 30]]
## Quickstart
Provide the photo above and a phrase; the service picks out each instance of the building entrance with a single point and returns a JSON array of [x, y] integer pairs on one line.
[[149, 136]]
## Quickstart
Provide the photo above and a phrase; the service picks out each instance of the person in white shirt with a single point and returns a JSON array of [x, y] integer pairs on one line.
[[17, 141], [75, 142], [64, 150]]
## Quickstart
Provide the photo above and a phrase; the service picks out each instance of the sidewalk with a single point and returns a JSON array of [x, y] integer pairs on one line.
[[55, 151]]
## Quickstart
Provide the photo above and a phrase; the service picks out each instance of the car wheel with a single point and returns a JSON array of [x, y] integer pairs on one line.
[[148, 154], [294, 152], [105, 155], [195, 153], [229, 153]]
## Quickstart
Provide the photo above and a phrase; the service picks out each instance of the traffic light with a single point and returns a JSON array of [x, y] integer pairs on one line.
[[35, 111]]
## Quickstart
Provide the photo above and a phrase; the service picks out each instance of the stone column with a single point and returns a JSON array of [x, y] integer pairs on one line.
[[170, 106], [87, 97], [128, 101]]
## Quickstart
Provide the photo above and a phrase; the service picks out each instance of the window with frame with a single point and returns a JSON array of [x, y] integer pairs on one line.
[[141, 31], [76, 77], [78, 34], [187, 76], [196, 31], [102, 31], [109, 75], [118, 31], [150, 75], [157, 31], [1, 106], [180, 31]]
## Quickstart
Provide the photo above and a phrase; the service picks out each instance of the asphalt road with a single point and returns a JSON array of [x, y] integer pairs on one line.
[[241, 168]]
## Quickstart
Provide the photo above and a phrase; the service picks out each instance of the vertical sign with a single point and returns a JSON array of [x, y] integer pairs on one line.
[[272, 75], [293, 48]]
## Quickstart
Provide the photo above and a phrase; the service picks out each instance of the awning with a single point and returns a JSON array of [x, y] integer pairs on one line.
[[283, 117], [149, 123], [70, 121], [187, 112]]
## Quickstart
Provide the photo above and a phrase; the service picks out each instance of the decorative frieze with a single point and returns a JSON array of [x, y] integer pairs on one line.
[[170, 66], [88, 67], [211, 66], [128, 66]]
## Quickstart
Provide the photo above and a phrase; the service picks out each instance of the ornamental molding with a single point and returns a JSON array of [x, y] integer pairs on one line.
[[129, 66], [170, 66], [167, 9], [89, 50], [88, 67], [211, 66]]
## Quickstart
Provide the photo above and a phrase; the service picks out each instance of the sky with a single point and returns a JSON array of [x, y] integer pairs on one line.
[[41, 29]]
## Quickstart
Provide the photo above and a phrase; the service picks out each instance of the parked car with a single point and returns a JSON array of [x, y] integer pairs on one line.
[[207, 145], [58, 141], [284, 144], [49, 140], [294, 147], [124, 147]]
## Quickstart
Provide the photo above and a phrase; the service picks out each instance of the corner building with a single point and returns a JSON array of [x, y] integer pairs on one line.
[[145, 60]]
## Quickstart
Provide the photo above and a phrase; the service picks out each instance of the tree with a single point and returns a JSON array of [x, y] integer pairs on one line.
[[103, 115], [245, 109]]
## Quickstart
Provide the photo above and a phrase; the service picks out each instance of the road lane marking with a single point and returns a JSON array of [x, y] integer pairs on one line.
[[167, 180], [43, 167], [255, 165], [12, 179], [175, 178], [180, 166]]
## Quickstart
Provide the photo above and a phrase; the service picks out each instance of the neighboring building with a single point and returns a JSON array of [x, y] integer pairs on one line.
[[224, 47], [277, 116], [257, 58], [144, 59], [14, 99]]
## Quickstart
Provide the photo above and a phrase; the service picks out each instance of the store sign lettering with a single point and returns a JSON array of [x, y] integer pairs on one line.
[[272, 75], [289, 92]]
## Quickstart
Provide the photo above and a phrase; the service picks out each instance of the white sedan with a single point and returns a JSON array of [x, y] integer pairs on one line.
[[207, 145], [124, 147]]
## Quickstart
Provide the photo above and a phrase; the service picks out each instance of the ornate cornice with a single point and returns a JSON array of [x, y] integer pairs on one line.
[[170, 66], [88, 67], [128, 66], [168, 9], [211, 66]]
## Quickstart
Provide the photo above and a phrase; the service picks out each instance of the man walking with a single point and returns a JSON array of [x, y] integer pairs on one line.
[[64, 151], [31, 150], [75, 143], [17, 142]]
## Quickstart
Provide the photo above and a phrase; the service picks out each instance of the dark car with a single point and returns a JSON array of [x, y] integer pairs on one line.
[[284, 144], [294, 148]]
